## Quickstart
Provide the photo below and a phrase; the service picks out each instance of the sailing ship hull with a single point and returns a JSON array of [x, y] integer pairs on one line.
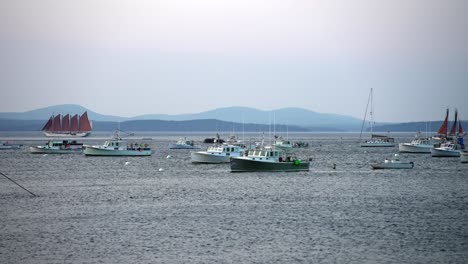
[[66, 134], [96, 151], [202, 157], [249, 165], [48, 150], [390, 165], [410, 148], [464, 157], [436, 152]]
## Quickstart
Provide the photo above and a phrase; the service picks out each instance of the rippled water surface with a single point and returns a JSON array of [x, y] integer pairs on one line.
[[100, 210]]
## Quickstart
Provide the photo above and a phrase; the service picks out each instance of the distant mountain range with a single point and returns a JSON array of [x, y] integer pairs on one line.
[[222, 120], [285, 116]]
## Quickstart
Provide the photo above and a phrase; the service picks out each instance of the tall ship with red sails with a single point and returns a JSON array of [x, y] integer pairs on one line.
[[64, 126]]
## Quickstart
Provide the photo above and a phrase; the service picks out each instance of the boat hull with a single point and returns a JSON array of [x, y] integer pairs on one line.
[[406, 165], [180, 146], [464, 157], [59, 135], [200, 157], [375, 145], [46, 150], [95, 151], [248, 165], [436, 152], [4, 147], [409, 148]]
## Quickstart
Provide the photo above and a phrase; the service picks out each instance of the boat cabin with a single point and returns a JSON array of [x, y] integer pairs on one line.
[[268, 155], [224, 149]]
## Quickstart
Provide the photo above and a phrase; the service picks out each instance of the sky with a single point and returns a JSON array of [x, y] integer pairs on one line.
[[129, 58]]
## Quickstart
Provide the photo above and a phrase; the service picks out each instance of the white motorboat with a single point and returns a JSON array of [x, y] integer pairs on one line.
[[183, 143], [379, 141], [118, 147], [447, 149], [375, 140], [392, 164], [217, 154], [282, 144], [464, 157], [419, 145], [271, 160], [57, 147], [9, 145]]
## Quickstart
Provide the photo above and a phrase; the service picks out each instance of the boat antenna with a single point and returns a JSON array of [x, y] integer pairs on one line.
[[18, 184], [365, 114]]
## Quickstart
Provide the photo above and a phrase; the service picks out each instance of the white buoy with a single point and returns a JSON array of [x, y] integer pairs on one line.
[[45, 155], [168, 157], [161, 169], [126, 163]]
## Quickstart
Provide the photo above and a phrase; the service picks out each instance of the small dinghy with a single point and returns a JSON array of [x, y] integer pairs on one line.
[[392, 164]]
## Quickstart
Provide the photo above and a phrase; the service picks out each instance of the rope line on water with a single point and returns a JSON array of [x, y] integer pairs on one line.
[[18, 184]]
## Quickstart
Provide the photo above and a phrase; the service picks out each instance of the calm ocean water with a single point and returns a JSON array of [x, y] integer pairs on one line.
[[99, 210]]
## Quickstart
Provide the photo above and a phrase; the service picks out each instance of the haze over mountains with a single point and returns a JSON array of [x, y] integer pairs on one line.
[[285, 116], [221, 119]]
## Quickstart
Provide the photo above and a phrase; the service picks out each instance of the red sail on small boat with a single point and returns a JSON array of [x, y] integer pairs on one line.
[[66, 127], [453, 130], [443, 128]]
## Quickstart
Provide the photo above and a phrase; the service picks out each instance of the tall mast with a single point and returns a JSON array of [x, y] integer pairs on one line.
[[371, 111], [365, 115]]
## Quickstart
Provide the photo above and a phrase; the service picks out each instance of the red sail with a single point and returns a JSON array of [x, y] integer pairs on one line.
[[443, 128], [74, 123], [454, 126], [48, 125], [66, 123], [84, 126], [57, 125]]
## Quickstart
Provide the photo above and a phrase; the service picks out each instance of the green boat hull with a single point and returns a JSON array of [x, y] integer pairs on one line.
[[246, 165]]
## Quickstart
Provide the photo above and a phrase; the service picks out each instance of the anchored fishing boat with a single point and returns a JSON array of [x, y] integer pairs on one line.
[[267, 160], [392, 164], [57, 147], [8, 145], [76, 126], [183, 143], [118, 147], [217, 154]]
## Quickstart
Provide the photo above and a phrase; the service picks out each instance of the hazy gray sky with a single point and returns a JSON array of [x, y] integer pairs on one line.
[[179, 56]]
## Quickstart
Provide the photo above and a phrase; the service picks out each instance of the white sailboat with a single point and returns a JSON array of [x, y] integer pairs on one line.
[[376, 140]]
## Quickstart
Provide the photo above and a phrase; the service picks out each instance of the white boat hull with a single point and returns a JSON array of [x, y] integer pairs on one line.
[[377, 144], [97, 151], [205, 157], [47, 150], [464, 157], [58, 135], [391, 165], [437, 152], [411, 148]]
